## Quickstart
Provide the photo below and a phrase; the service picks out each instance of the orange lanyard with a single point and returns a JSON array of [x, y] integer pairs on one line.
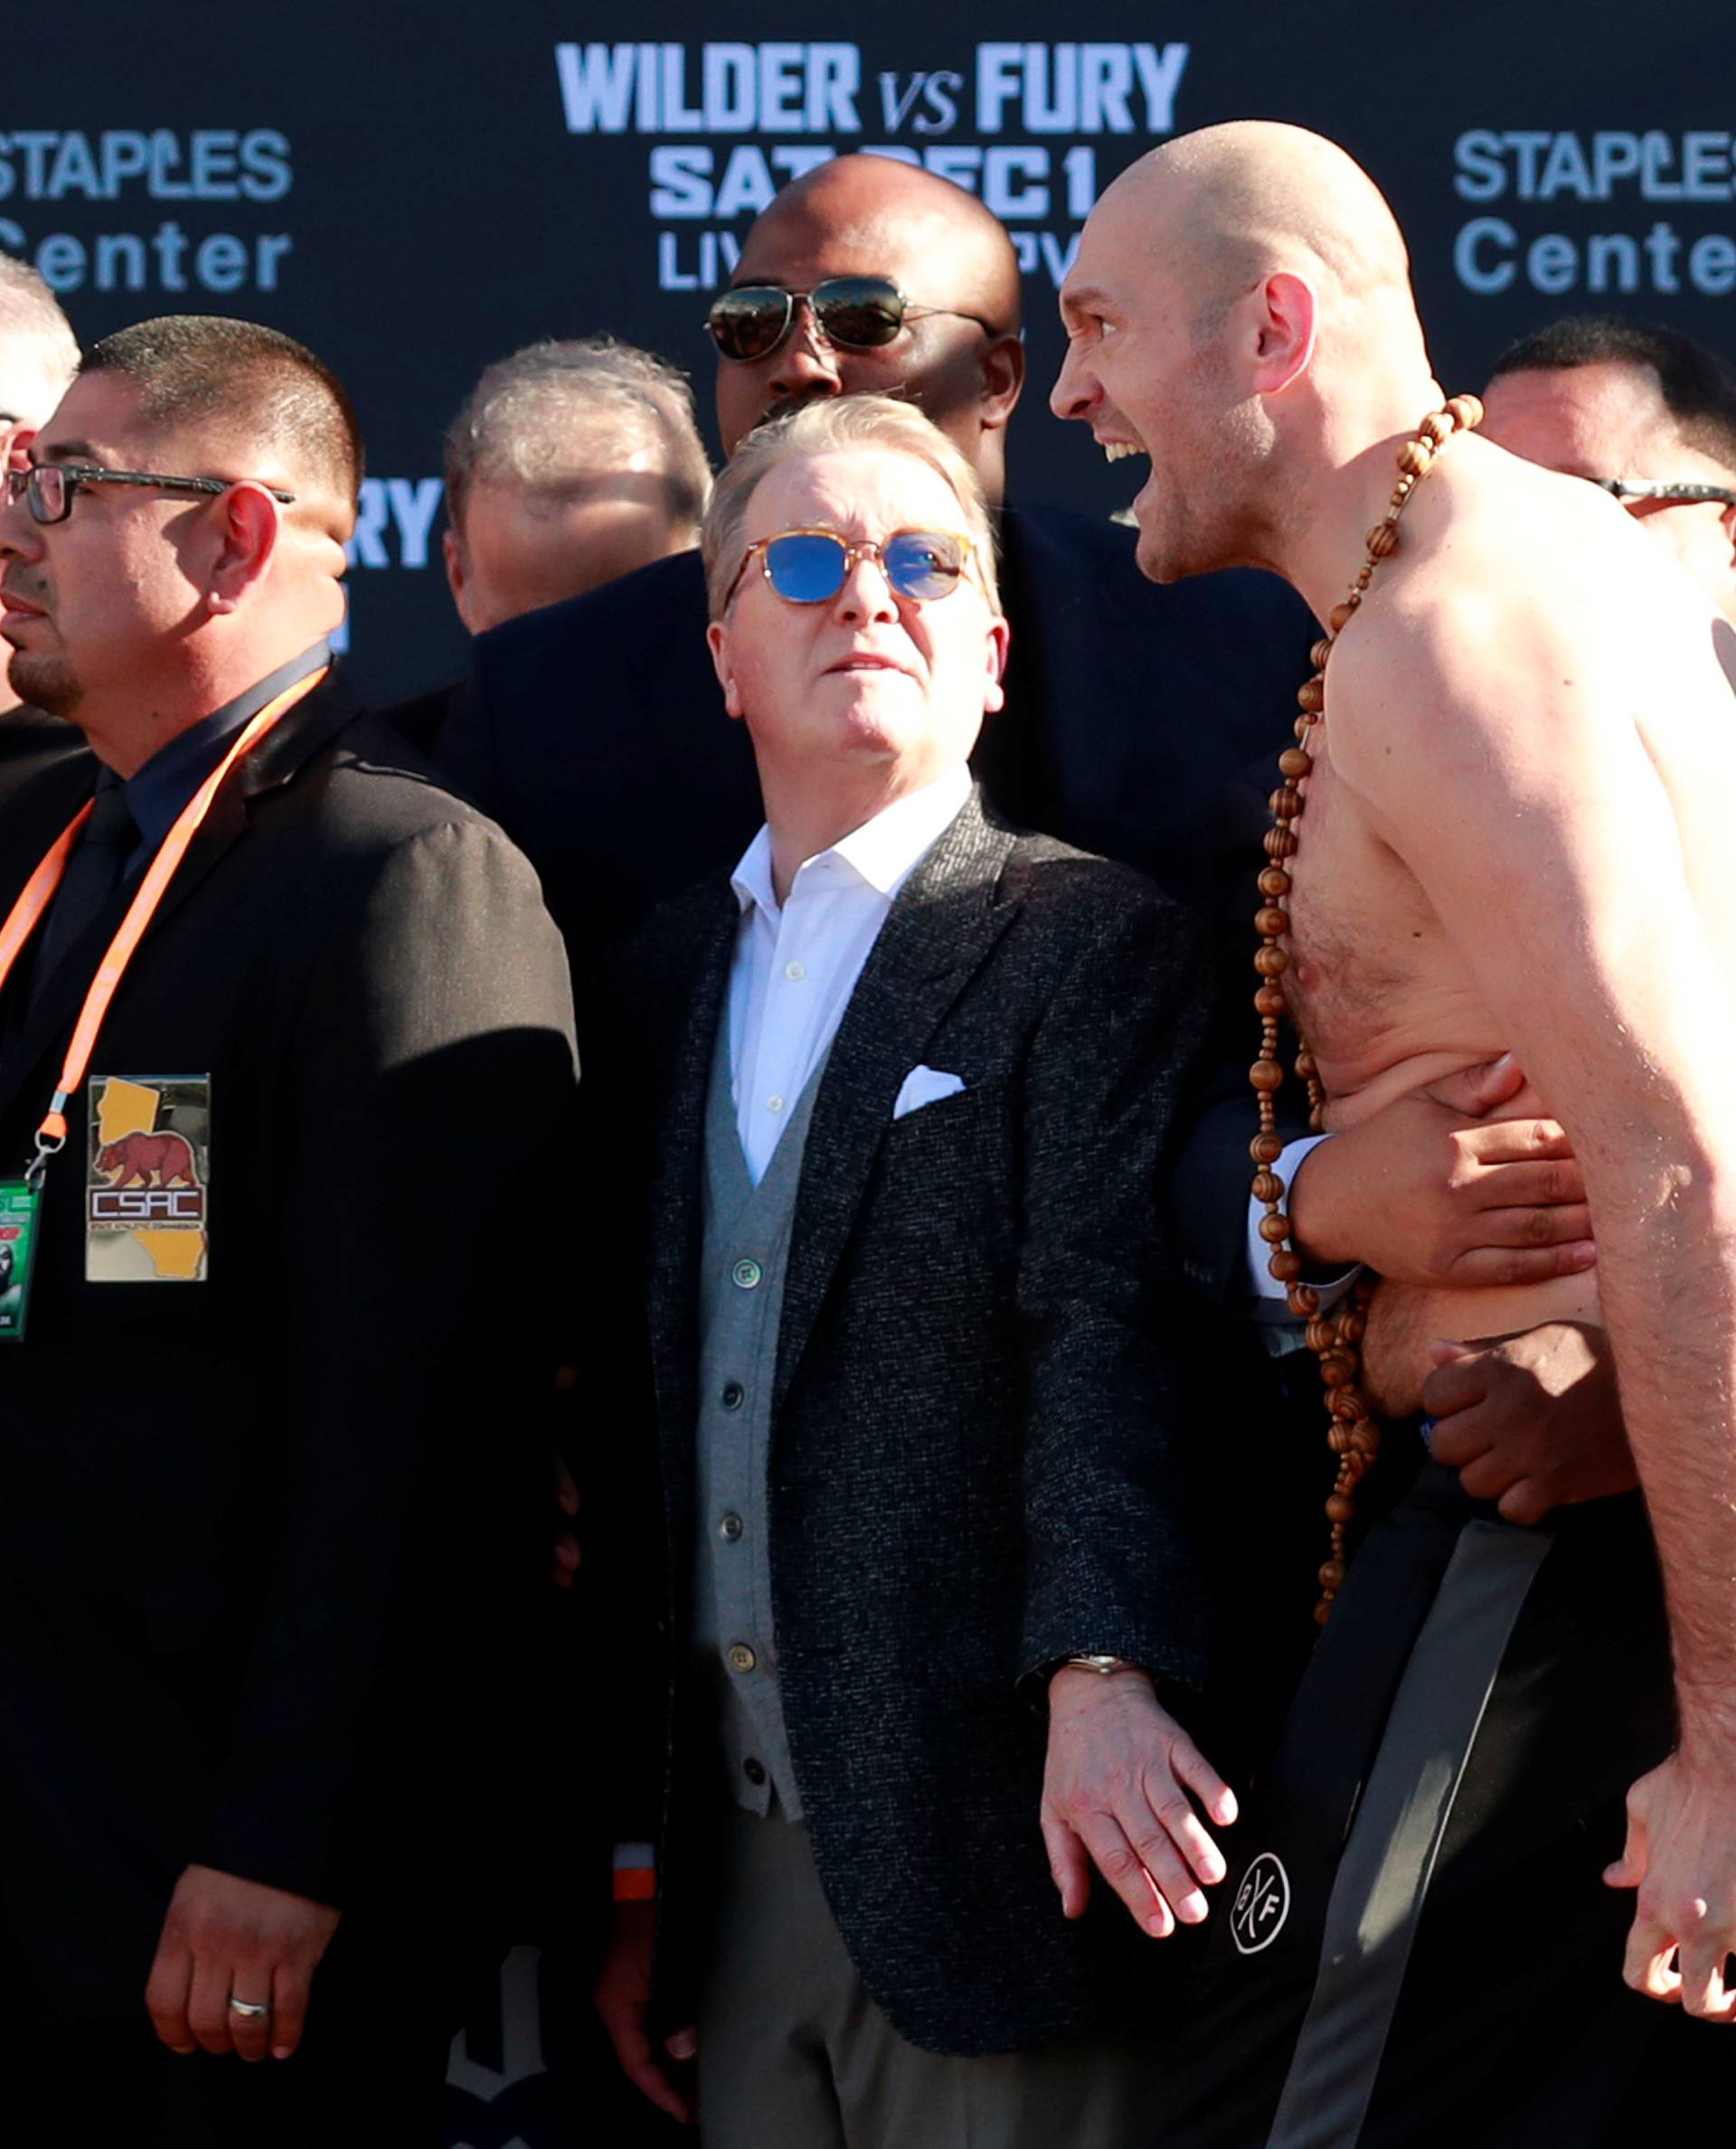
[[39, 893]]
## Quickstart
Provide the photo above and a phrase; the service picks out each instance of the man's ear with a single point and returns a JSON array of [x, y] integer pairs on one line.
[[452, 553], [1002, 367], [993, 693], [247, 537], [1284, 332], [13, 441], [717, 640]]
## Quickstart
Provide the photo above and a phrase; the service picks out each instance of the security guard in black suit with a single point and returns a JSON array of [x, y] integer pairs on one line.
[[284, 1062]]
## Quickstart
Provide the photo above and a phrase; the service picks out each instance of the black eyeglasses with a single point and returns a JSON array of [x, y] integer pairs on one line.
[[51, 488], [1670, 491], [808, 567], [862, 313]]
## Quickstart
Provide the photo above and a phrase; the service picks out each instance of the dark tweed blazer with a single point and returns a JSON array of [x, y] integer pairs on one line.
[[974, 1467]]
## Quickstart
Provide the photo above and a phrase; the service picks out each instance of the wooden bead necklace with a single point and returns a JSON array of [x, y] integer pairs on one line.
[[1355, 1434]]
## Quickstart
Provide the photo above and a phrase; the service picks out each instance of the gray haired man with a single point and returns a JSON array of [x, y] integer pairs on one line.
[[571, 463]]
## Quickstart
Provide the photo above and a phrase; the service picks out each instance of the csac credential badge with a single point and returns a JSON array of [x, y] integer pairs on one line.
[[147, 1179]]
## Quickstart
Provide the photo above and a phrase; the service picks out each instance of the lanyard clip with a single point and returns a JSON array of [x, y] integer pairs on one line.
[[51, 1139]]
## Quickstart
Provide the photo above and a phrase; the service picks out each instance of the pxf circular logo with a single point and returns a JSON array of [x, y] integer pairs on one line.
[[1262, 1904]]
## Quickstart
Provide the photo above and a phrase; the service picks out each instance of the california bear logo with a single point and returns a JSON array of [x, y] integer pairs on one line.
[[1262, 1904], [146, 1160]]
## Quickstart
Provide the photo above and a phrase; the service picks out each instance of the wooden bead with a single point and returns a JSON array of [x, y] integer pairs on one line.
[[1340, 1508], [1341, 616], [1364, 576], [1320, 653], [1270, 1002], [1322, 1334], [1273, 880], [1365, 1438], [1303, 725], [1332, 1574], [1286, 803], [1275, 1227], [1347, 1403], [1416, 457], [1265, 1149], [1465, 411], [1312, 695], [1337, 1369], [1438, 426], [1295, 761], [1272, 962], [1352, 1327], [1272, 921], [1280, 843], [1323, 1611], [1266, 1187], [1283, 1267], [1266, 1074], [1382, 537], [1305, 1300], [1306, 1065], [1317, 1120], [1338, 1439]]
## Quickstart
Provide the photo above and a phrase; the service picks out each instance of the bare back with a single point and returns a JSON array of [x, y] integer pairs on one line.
[[1534, 700]]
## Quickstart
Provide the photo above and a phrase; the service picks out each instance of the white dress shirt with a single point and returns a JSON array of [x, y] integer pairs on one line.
[[796, 964]]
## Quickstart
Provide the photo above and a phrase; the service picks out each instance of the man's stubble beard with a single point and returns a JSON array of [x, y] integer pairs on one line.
[[1222, 514], [45, 683]]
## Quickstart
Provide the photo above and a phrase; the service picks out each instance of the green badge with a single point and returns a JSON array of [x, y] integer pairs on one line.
[[19, 1204]]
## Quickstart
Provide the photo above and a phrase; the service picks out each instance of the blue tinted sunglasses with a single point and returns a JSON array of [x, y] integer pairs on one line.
[[808, 567]]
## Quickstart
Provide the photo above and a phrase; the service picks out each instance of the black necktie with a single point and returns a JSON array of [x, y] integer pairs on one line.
[[92, 875]]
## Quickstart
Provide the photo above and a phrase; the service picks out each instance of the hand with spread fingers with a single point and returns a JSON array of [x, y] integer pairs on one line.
[[1680, 1856], [1120, 1791], [234, 1965], [1455, 1185]]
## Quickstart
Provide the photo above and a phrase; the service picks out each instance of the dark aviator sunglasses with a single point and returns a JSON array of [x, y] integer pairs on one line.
[[860, 313]]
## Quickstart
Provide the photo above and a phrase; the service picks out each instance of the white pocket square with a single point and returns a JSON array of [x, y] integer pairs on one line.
[[924, 1086]]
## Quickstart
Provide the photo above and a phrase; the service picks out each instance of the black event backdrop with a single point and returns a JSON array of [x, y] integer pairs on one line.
[[415, 191]]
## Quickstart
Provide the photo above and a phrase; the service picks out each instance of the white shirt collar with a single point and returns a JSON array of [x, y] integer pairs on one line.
[[882, 854]]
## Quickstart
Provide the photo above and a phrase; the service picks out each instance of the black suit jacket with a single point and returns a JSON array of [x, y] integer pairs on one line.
[[30, 741], [263, 1533], [977, 1463], [594, 731]]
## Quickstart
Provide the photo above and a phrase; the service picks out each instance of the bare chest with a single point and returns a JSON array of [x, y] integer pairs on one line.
[[1376, 988]]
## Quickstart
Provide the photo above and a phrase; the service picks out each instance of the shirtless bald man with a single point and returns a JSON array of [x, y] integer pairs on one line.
[[1512, 840]]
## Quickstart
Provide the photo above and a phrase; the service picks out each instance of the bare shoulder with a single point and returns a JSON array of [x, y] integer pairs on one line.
[[1525, 617]]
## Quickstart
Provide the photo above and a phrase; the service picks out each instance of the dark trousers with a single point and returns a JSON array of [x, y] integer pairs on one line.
[[368, 2074], [1420, 1950]]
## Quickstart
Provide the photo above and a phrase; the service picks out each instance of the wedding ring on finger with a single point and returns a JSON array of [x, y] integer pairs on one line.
[[250, 2010]]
